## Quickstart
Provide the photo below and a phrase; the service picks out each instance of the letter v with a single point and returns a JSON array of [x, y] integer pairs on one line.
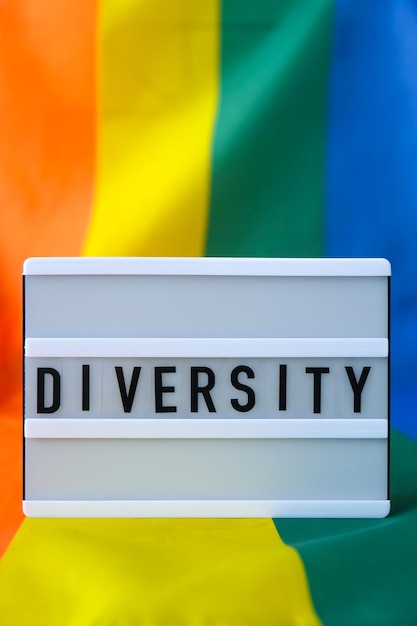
[[127, 396]]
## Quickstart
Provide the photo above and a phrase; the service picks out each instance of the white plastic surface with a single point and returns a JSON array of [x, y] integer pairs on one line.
[[193, 306], [206, 266], [206, 469], [206, 387], [207, 429], [202, 347], [207, 508]]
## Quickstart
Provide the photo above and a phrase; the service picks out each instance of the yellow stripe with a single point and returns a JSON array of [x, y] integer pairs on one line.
[[155, 572], [158, 96]]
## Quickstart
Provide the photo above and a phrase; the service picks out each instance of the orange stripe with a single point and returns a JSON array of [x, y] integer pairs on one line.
[[47, 119]]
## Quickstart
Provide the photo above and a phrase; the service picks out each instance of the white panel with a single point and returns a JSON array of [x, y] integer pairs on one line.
[[206, 469], [217, 429], [245, 398], [207, 508], [213, 306], [201, 347], [207, 266]]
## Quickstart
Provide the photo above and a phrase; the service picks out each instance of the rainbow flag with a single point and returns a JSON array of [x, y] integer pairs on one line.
[[221, 128]]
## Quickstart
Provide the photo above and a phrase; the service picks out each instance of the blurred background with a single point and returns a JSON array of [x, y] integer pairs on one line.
[[277, 128]]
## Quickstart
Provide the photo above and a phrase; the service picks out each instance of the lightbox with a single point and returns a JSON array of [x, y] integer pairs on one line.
[[206, 387]]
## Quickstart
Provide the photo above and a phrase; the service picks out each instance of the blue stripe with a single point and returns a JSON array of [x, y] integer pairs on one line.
[[372, 165]]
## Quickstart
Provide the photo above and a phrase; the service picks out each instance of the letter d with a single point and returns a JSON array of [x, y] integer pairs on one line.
[[56, 390]]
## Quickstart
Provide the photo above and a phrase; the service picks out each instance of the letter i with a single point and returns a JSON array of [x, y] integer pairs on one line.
[[86, 388], [282, 388]]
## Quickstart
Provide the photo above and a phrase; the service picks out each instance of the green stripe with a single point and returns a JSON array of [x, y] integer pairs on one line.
[[267, 195], [362, 572]]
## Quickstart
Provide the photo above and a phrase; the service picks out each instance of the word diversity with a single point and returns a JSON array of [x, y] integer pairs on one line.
[[171, 388]]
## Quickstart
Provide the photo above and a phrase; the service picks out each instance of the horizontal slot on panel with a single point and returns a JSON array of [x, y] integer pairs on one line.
[[207, 508], [204, 347], [82, 428]]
